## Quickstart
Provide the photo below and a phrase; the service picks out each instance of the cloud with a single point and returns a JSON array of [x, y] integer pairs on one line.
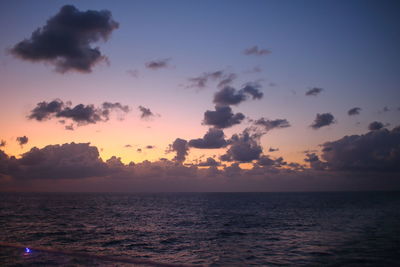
[[128, 146], [81, 114], [322, 120], [354, 111], [230, 96], [210, 162], [158, 64], [254, 50], [314, 91], [214, 138], [2, 143], [133, 73], [61, 161], [374, 151], [315, 162], [227, 79], [243, 148], [69, 127], [375, 125], [268, 125], [149, 147], [146, 112], [222, 117], [201, 81], [22, 140], [256, 69], [273, 149], [65, 41], [180, 146]]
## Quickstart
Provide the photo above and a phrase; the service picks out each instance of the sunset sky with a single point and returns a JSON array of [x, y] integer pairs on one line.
[[143, 80]]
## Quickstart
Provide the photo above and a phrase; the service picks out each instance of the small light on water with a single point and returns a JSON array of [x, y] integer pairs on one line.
[[27, 250]]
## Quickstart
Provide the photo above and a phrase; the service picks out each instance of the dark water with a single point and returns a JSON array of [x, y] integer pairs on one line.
[[216, 229]]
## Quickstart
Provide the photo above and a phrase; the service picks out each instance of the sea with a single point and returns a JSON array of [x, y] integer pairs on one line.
[[200, 229]]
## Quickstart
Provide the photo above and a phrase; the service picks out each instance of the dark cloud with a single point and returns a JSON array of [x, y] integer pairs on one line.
[[315, 162], [69, 127], [128, 146], [65, 41], [158, 64], [256, 51], [230, 96], [373, 151], [149, 147], [22, 140], [314, 91], [180, 146], [139, 150], [61, 161], [243, 148], [222, 117], [268, 125], [2, 143], [81, 114], [214, 138], [252, 89], [210, 162], [273, 149], [375, 125], [44, 110], [266, 161], [146, 112], [322, 120], [354, 111], [386, 109]]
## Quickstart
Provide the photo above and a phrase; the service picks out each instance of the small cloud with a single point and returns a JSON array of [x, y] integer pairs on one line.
[[158, 64], [256, 51], [69, 127], [139, 150], [180, 146], [322, 120], [81, 114], [354, 111], [243, 148], [149, 147], [65, 41], [146, 112], [273, 149], [2, 143], [22, 140], [256, 69], [222, 117], [375, 126], [269, 125], [224, 79], [128, 146], [133, 73], [314, 91], [230, 96], [214, 138], [210, 162]]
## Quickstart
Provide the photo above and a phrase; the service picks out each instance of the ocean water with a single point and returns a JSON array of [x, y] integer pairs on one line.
[[209, 229]]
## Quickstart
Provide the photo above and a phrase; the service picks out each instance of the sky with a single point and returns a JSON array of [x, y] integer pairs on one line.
[[199, 95]]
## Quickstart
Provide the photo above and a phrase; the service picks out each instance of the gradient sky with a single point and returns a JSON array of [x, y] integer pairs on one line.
[[350, 49]]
